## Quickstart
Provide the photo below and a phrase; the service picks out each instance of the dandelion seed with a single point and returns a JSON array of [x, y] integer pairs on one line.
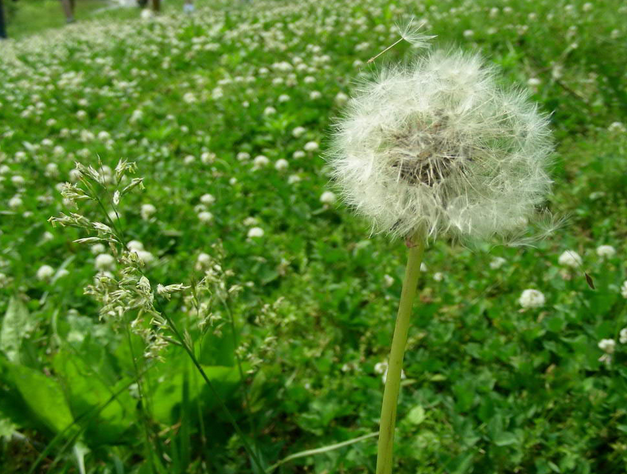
[[531, 299]]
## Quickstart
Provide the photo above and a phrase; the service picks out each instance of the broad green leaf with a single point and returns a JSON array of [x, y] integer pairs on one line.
[[15, 325], [416, 415], [43, 396]]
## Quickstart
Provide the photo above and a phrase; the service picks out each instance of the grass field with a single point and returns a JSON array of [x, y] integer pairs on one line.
[[285, 299]]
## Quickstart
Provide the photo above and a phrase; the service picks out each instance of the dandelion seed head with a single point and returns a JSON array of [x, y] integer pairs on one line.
[[438, 144]]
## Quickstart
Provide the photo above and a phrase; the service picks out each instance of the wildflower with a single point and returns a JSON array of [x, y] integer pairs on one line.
[[623, 289], [189, 159], [606, 251], [281, 164], [327, 198], [315, 95], [607, 345], [570, 259], [260, 161], [15, 202], [298, 154], [531, 299], [311, 146], [135, 245], [147, 211], [388, 280], [497, 262], [104, 261], [441, 146], [207, 199], [269, 111], [294, 178], [623, 336], [18, 180], [97, 249], [243, 156], [534, 82], [203, 261], [382, 368], [298, 131], [255, 232], [250, 221], [207, 157], [438, 276], [341, 98], [52, 170], [45, 272], [205, 216]]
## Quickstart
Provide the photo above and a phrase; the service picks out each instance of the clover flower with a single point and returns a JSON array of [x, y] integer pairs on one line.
[[531, 299], [439, 145], [606, 251], [570, 259]]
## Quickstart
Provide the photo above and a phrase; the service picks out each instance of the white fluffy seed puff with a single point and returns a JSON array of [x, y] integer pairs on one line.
[[440, 145]]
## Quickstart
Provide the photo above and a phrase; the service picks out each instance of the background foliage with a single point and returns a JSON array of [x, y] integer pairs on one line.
[[193, 100]]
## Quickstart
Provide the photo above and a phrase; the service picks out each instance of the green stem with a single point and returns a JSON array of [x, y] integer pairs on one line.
[[395, 362]]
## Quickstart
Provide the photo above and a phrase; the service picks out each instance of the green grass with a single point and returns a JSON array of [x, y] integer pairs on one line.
[[28, 17], [490, 388]]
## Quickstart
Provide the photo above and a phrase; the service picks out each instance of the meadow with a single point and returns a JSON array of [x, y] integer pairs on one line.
[[206, 136]]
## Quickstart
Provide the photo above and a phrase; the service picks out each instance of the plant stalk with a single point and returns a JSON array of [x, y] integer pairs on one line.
[[395, 362]]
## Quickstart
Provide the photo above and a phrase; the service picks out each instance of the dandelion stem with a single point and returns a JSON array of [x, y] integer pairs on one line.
[[395, 362]]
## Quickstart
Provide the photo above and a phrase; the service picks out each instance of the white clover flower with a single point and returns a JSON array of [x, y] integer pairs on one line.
[[243, 156], [255, 232], [570, 258], [315, 95], [104, 261], [341, 98], [623, 289], [269, 111], [388, 280], [298, 131], [97, 249], [260, 161], [205, 216], [607, 345], [327, 198], [135, 245], [207, 157], [207, 199], [531, 299], [438, 276], [18, 180], [623, 336], [45, 272], [144, 256], [292, 179], [298, 154], [52, 170], [250, 221], [281, 164], [606, 251], [311, 146], [203, 261], [440, 145], [15, 202], [497, 262], [147, 211], [189, 159]]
